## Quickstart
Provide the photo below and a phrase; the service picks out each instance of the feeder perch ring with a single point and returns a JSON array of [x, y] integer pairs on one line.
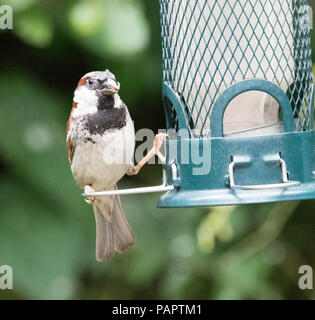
[[164, 187]]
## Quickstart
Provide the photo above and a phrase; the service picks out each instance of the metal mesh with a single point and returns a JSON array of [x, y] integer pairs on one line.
[[210, 44]]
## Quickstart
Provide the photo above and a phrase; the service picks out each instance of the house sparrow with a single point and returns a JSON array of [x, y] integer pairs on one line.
[[100, 143]]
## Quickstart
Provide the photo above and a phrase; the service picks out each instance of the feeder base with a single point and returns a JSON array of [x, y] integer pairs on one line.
[[224, 197]]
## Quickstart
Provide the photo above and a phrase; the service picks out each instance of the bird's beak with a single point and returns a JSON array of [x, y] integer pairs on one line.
[[109, 89]]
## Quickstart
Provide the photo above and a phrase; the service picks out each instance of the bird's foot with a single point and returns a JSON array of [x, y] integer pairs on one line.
[[155, 151], [89, 189], [131, 170], [157, 145]]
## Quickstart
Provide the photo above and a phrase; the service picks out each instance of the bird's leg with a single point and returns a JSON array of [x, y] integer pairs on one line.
[[89, 189], [155, 151]]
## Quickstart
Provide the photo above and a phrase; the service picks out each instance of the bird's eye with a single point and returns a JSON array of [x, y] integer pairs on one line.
[[92, 82]]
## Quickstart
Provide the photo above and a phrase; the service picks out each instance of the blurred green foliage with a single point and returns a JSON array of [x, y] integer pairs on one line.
[[47, 231]]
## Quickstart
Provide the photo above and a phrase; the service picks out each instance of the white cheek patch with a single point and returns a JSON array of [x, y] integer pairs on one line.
[[117, 100], [86, 101]]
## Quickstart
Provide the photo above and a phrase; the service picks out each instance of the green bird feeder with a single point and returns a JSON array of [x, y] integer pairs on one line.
[[238, 95]]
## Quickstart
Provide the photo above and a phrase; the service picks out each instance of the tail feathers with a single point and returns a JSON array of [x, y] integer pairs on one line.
[[105, 241], [114, 234], [123, 234]]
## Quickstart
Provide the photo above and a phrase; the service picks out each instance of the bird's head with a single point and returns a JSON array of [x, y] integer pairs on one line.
[[93, 87], [101, 83]]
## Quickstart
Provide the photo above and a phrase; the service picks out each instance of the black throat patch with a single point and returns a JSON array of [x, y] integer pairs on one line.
[[107, 117], [105, 102]]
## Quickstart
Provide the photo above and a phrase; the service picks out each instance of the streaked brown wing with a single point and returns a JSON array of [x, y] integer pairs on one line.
[[71, 149]]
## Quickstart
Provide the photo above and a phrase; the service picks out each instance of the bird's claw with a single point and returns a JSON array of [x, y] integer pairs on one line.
[[131, 170], [158, 142], [89, 189]]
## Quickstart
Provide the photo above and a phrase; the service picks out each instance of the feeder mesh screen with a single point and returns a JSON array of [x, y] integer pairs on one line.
[[209, 44]]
